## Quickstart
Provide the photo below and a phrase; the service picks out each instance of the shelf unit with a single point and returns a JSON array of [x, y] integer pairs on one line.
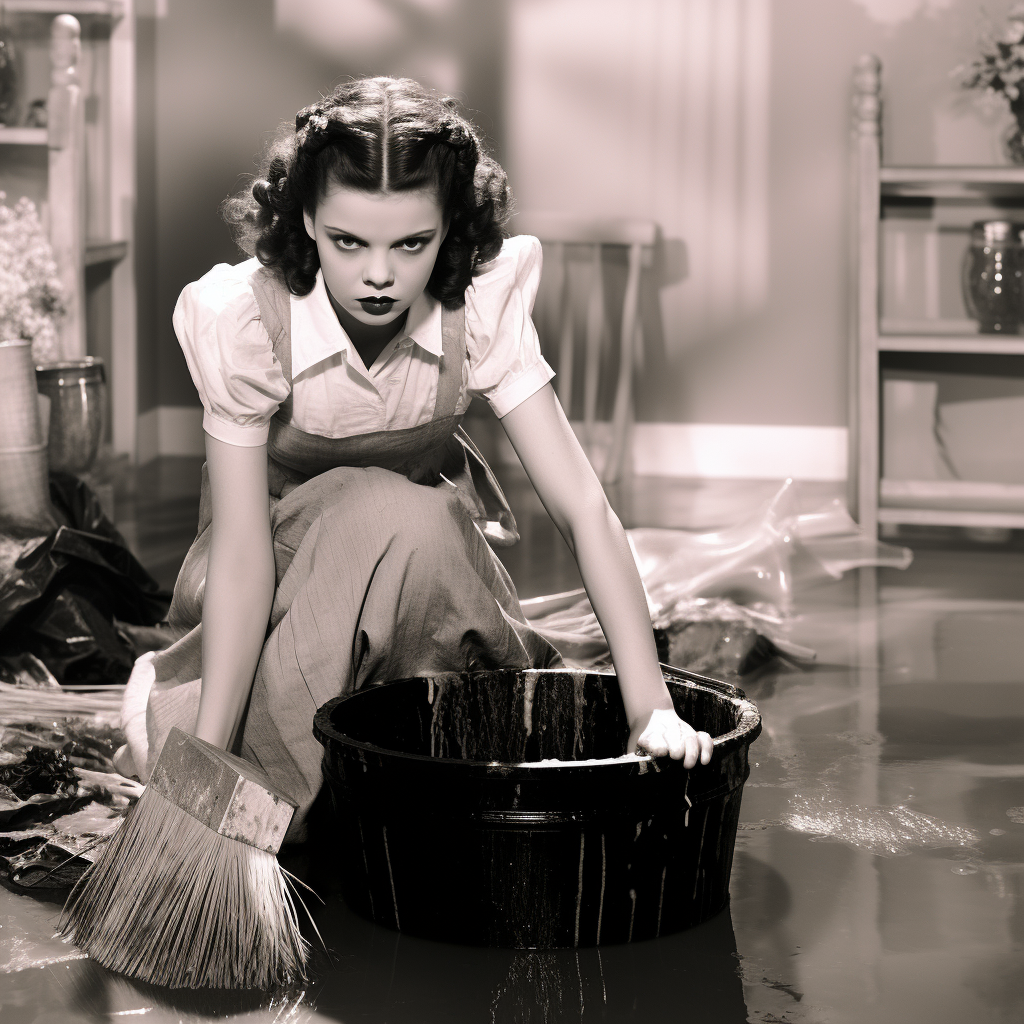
[[23, 136], [86, 178], [961, 503], [113, 9]]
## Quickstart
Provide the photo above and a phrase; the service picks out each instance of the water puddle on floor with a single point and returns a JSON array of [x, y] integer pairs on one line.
[[878, 873]]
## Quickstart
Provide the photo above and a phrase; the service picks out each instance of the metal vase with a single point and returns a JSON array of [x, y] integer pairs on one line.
[[77, 391]]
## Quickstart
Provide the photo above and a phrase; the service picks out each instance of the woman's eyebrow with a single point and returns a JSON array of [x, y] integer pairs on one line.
[[425, 233], [346, 234]]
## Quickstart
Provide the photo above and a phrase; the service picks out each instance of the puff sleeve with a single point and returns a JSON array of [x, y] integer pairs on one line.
[[230, 355], [505, 362]]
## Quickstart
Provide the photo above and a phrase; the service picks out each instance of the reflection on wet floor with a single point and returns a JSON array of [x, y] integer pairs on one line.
[[916, 703], [378, 975]]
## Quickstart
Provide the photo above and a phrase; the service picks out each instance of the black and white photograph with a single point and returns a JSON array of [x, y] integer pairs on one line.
[[512, 511]]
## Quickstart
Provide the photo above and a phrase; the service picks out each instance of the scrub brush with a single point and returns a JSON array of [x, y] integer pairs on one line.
[[188, 892]]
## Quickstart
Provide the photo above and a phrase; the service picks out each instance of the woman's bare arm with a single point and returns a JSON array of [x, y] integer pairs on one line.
[[576, 502], [239, 586]]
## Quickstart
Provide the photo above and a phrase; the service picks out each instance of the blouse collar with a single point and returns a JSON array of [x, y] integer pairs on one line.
[[317, 334]]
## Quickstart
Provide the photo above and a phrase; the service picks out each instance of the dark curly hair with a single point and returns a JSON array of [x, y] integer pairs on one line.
[[376, 135]]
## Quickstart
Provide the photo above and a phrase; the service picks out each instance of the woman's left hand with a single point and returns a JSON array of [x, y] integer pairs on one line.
[[664, 732]]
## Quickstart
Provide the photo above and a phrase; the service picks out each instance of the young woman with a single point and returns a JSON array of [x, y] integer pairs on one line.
[[344, 515]]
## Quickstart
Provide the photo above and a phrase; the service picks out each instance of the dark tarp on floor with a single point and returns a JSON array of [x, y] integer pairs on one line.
[[61, 591]]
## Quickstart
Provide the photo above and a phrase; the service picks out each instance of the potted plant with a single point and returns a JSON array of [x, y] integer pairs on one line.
[[30, 305], [30, 291], [999, 71]]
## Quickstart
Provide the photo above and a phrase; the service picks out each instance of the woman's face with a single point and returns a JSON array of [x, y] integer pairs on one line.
[[377, 250]]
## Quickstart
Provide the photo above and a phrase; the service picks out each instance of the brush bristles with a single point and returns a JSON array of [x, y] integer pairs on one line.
[[173, 903]]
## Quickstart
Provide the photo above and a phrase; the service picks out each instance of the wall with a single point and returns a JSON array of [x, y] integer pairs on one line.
[[610, 91], [611, 101], [215, 82]]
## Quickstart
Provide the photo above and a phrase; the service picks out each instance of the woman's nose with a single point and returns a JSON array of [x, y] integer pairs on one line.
[[378, 272]]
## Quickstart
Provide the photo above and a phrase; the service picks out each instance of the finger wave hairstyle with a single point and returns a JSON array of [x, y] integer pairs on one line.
[[376, 135]]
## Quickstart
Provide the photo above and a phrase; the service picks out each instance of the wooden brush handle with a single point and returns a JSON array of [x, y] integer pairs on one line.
[[226, 793]]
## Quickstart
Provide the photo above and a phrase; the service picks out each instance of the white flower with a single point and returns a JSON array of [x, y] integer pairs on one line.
[[30, 291]]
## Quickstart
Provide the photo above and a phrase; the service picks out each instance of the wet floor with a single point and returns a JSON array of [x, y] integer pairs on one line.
[[879, 867]]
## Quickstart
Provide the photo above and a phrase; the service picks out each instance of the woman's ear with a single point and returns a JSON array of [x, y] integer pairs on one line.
[[310, 228]]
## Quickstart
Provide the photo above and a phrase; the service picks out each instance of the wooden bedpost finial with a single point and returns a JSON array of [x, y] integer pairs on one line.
[[65, 50], [867, 102]]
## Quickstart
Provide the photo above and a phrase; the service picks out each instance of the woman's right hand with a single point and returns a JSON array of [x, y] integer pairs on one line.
[[239, 590]]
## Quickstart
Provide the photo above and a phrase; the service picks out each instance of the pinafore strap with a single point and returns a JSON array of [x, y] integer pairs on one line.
[[436, 453], [274, 302]]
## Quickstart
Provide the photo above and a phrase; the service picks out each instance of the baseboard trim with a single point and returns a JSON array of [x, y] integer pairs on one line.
[[696, 450], [739, 451], [171, 430], [719, 450]]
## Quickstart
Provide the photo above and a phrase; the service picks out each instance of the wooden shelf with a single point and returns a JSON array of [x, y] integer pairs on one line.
[[954, 503], [83, 170], [23, 136], [104, 251], [976, 344], [932, 174], [942, 517], [113, 9], [951, 182], [952, 496], [928, 327]]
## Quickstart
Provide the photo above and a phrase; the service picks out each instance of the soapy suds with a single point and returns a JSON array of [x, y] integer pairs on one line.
[[579, 706], [557, 762], [529, 684], [600, 904], [448, 700], [430, 691], [435, 730], [632, 914]]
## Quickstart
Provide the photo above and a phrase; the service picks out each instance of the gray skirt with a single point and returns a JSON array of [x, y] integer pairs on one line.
[[378, 578]]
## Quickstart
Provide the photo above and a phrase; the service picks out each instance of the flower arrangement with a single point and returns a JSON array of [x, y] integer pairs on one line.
[[30, 291]]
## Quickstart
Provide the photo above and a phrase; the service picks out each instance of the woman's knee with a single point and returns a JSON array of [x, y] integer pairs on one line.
[[431, 521], [387, 509]]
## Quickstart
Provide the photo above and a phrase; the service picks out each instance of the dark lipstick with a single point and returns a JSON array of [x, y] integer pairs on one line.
[[376, 305]]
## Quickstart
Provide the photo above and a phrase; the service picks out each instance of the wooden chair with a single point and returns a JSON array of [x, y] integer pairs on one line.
[[556, 232]]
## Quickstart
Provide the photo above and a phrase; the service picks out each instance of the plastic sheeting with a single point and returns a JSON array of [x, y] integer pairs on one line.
[[721, 598]]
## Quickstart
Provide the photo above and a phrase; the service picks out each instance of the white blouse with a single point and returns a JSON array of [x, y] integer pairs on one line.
[[241, 385]]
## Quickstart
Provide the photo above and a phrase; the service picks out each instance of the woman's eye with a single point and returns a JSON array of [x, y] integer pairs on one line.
[[412, 244], [346, 242]]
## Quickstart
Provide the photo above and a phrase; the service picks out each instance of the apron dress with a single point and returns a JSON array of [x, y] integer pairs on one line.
[[383, 567]]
